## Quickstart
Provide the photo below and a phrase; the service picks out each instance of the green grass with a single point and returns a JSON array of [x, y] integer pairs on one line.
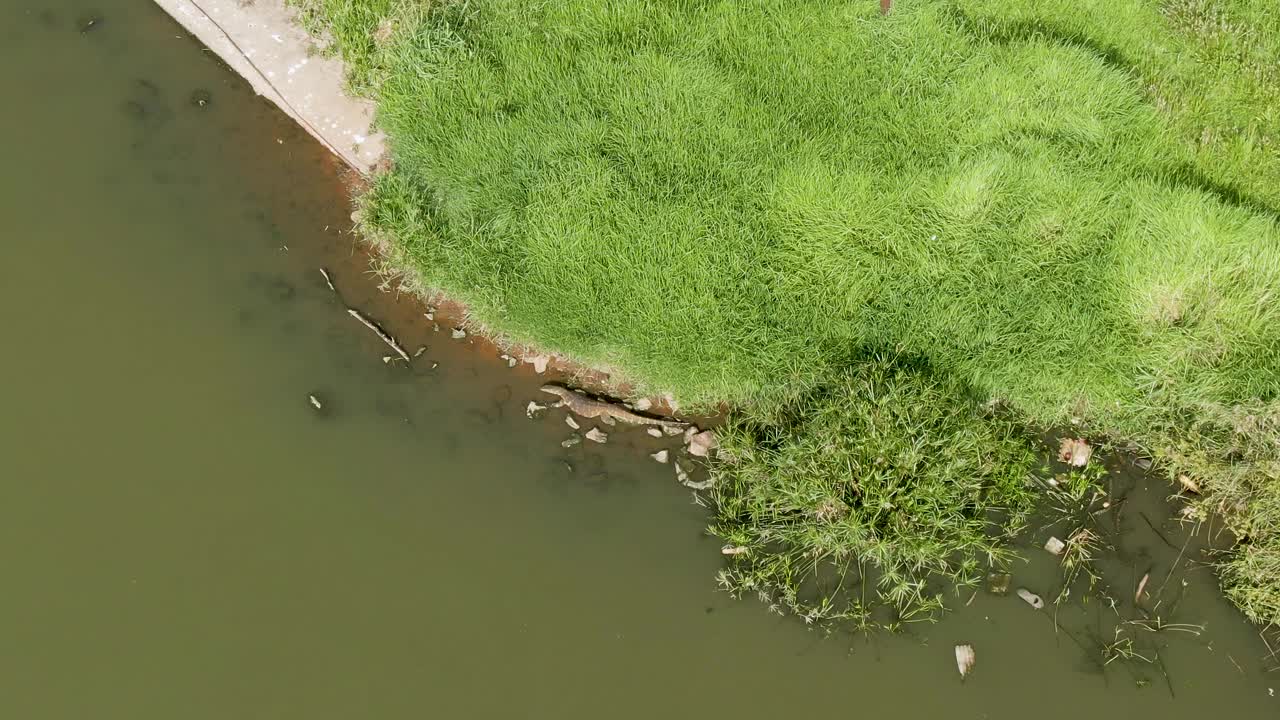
[[868, 490], [1069, 206]]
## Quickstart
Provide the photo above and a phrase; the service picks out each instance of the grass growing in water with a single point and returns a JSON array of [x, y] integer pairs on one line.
[[890, 476], [1071, 208]]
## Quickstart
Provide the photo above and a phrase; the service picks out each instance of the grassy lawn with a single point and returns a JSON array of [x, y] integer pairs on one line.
[[1068, 206]]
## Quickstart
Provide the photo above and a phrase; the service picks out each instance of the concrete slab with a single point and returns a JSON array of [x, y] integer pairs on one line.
[[262, 41]]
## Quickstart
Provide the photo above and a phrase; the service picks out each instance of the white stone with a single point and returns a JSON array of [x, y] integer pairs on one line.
[[701, 444]]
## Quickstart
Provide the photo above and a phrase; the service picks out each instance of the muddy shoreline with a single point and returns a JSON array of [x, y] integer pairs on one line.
[[424, 324]]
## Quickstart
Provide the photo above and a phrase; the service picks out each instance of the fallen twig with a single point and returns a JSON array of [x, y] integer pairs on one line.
[[382, 334]]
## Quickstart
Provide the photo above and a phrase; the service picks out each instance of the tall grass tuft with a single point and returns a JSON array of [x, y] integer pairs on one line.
[[868, 492]]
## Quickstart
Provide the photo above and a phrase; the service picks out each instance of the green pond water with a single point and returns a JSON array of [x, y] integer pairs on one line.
[[183, 536]]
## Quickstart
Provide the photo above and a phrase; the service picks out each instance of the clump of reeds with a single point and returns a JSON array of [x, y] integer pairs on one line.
[[880, 488]]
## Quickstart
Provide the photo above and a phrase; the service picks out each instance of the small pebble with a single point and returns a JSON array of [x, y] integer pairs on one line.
[[573, 439], [533, 408], [568, 420], [511, 362], [654, 432], [661, 456], [671, 431], [643, 404], [595, 435], [430, 316], [459, 333], [315, 402]]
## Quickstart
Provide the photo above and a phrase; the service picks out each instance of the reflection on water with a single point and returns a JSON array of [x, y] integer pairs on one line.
[[183, 535]]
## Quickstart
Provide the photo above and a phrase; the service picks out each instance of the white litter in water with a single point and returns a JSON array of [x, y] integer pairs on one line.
[[965, 659]]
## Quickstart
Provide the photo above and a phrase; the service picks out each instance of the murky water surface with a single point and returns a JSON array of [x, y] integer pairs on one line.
[[183, 536]]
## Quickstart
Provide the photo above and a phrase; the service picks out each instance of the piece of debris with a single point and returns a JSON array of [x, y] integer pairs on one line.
[[733, 550], [998, 583], [386, 359], [328, 280], [1188, 484], [1075, 453], [435, 365], [1142, 585], [533, 408], [643, 404], [689, 432], [382, 334], [965, 659], [201, 98], [670, 400], [1054, 545], [701, 444], [681, 475], [1143, 463], [595, 435], [89, 23], [539, 362], [585, 406], [573, 439], [568, 420], [458, 334], [419, 351], [429, 316], [1030, 598], [671, 430], [315, 402], [511, 362], [661, 456], [654, 432]]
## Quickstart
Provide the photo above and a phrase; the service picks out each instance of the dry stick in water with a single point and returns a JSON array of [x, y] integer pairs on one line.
[[390, 341], [327, 280]]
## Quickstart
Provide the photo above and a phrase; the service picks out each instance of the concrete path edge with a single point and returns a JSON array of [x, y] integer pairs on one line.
[[263, 42]]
